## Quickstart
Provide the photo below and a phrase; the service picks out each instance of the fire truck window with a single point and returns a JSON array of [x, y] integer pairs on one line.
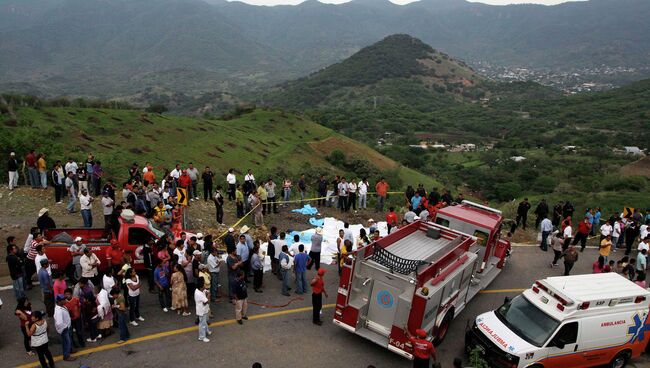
[[568, 334], [481, 237], [139, 236], [443, 222]]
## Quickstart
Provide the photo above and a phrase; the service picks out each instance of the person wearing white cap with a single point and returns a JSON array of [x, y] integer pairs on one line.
[[12, 168], [76, 249], [200, 241]]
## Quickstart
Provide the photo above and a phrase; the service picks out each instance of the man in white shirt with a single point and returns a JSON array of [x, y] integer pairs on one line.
[[547, 227], [107, 209], [39, 257], [180, 252], [175, 174], [352, 195], [72, 192], [202, 310], [643, 231], [277, 245], [363, 193], [231, 179], [214, 265], [343, 194], [89, 264], [294, 248], [347, 233], [71, 167], [644, 244], [63, 325], [605, 230], [76, 249], [85, 202]]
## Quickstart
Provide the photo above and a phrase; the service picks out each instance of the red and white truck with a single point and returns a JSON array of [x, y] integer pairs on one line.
[[132, 235], [421, 276]]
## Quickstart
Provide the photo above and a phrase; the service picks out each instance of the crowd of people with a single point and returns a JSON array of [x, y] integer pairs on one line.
[[618, 231]]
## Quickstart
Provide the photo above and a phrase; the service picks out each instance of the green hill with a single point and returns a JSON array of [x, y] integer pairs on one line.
[[399, 69], [268, 141]]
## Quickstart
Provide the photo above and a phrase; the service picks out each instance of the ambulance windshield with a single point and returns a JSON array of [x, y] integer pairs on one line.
[[527, 321]]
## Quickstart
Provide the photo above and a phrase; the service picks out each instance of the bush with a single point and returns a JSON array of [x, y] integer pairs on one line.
[[507, 191], [336, 158], [544, 184], [156, 108]]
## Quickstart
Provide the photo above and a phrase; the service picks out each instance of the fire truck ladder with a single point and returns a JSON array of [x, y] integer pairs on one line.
[[393, 262]]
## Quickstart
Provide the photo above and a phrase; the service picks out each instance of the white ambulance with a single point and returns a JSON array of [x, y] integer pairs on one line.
[[567, 321]]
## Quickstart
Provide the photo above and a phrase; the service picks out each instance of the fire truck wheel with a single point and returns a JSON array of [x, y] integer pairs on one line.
[[620, 360], [444, 328]]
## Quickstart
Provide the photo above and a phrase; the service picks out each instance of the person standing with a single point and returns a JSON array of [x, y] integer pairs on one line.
[[343, 195], [63, 325], [257, 264], [606, 229], [23, 312], [239, 201], [257, 208], [208, 179], [522, 213], [605, 247], [12, 169], [119, 304], [276, 245], [202, 310], [47, 291], [314, 251], [76, 250], [214, 265], [58, 180], [73, 305], [286, 189], [363, 193], [541, 211], [30, 162], [567, 234], [161, 279], [382, 191], [16, 266], [584, 228], [218, 205], [271, 198], [263, 196], [193, 174], [72, 192], [108, 205], [179, 290], [85, 203], [286, 263], [352, 196], [302, 188], [89, 265], [546, 226], [322, 191], [235, 265], [241, 298], [231, 179], [570, 258], [133, 284], [423, 349], [317, 291], [41, 166], [301, 260], [38, 339]]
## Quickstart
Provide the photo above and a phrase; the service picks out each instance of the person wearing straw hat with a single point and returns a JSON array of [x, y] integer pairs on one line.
[[314, 251], [44, 221]]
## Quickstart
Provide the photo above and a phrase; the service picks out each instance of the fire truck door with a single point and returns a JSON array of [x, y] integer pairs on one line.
[[382, 307]]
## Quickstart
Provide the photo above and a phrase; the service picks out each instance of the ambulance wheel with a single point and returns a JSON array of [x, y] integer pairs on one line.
[[443, 329], [620, 360]]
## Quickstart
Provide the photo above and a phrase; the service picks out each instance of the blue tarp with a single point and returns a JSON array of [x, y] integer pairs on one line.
[[316, 222], [305, 237], [306, 210]]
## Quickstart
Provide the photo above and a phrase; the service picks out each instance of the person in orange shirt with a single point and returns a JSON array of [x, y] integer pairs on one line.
[[73, 305], [391, 218], [382, 190], [422, 349], [149, 176]]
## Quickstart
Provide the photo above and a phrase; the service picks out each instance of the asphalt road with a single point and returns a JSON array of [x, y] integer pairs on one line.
[[276, 337]]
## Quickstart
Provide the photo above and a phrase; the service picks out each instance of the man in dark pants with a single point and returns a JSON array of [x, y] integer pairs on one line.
[[522, 213], [218, 204], [584, 227], [207, 178], [422, 349], [322, 190], [541, 211], [317, 291], [314, 252]]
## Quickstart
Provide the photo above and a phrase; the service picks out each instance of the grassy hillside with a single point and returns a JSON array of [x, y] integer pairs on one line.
[[268, 141]]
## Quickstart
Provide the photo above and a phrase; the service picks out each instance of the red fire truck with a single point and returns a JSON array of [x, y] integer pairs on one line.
[[133, 234], [421, 276]]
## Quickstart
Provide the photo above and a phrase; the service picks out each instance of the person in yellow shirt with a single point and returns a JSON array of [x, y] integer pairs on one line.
[[345, 249], [42, 170], [606, 247]]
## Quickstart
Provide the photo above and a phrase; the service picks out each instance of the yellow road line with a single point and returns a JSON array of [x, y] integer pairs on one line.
[[160, 335], [497, 291]]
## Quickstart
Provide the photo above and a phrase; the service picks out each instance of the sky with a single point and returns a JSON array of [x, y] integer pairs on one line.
[[491, 2]]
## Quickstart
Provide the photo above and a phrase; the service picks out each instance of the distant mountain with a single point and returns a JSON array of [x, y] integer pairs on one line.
[[398, 69], [120, 47]]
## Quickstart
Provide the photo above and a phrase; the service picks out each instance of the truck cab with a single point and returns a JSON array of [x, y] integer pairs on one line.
[[485, 224], [131, 237], [569, 321]]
